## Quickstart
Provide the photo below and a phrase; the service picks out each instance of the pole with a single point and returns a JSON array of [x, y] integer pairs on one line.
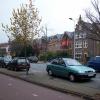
[[73, 36], [46, 43], [74, 44]]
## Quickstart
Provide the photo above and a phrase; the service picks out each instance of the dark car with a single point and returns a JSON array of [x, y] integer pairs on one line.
[[18, 64], [70, 68], [94, 62], [4, 61], [1, 62]]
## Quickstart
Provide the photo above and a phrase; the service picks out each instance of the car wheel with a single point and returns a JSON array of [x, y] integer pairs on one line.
[[3, 66], [8, 68], [71, 77], [50, 72], [15, 69]]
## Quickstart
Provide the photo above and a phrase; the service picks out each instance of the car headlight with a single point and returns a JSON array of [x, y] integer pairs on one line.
[[81, 72], [94, 71]]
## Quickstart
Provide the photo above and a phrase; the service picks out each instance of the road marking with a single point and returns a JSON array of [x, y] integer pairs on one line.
[[9, 84], [35, 95], [10, 79], [60, 96]]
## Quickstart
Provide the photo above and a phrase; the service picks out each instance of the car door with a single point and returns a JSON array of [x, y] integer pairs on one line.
[[94, 63], [54, 67], [62, 68], [97, 64], [59, 68]]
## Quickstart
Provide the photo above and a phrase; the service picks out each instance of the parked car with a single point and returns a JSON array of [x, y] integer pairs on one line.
[[6, 60], [33, 59], [1, 62], [94, 62], [70, 68], [18, 63]]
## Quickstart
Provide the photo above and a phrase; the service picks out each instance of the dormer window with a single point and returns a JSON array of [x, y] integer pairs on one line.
[[80, 27]]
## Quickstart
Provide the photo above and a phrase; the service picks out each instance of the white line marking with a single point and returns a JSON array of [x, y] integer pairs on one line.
[[35, 95]]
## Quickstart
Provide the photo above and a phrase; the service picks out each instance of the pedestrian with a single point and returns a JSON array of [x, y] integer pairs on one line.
[[27, 67], [27, 70]]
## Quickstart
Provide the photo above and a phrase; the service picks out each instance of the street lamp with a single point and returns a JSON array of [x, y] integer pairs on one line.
[[74, 36]]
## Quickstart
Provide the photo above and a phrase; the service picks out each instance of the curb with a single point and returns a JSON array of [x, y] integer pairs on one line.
[[84, 96]]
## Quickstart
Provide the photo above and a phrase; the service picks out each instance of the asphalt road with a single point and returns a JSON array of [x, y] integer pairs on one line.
[[41, 68], [15, 89], [35, 67]]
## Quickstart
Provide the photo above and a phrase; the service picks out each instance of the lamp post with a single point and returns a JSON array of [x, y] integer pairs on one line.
[[73, 36]]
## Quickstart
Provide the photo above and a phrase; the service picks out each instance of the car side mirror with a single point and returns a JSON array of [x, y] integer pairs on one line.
[[63, 65]]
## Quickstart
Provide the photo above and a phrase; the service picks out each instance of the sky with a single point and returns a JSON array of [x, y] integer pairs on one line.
[[55, 14]]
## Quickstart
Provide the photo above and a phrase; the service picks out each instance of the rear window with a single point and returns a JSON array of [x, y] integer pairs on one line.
[[98, 58], [95, 58], [1, 58], [21, 60]]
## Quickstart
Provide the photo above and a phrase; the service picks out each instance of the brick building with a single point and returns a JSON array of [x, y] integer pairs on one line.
[[84, 47], [4, 49]]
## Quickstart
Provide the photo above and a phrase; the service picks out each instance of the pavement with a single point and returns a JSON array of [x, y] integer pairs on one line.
[[62, 85]]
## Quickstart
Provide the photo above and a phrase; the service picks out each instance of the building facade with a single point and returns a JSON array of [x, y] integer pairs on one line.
[[54, 43], [57, 43], [84, 47], [4, 49]]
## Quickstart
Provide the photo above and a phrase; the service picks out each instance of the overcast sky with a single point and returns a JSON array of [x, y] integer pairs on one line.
[[55, 13]]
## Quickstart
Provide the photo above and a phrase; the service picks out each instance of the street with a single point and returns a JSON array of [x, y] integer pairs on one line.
[[41, 68], [15, 89]]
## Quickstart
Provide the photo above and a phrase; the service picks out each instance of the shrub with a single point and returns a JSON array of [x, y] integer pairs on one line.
[[51, 55], [42, 57]]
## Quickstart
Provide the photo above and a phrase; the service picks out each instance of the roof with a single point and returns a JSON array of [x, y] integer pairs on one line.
[[4, 44], [57, 36]]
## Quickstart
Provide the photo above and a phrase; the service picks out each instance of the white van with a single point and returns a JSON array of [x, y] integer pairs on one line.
[[7, 59]]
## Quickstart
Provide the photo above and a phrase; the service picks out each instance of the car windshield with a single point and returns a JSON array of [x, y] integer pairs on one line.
[[72, 62], [21, 60]]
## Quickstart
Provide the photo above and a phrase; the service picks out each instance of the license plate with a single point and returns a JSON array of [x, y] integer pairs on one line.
[[90, 74]]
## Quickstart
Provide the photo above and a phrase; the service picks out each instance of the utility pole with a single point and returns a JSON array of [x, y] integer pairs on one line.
[[46, 30], [73, 36]]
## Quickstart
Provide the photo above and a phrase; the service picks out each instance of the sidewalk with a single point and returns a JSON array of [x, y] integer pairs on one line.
[[54, 83]]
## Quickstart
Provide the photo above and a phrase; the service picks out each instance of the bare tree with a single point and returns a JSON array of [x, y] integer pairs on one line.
[[93, 27]]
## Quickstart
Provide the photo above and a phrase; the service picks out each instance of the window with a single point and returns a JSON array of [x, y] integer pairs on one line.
[[80, 27], [85, 44], [61, 62], [14, 61], [80, 35], [78, 55], [76, 36], [84, 35], [72, 62], [55, 61], [78, 44], [98, 58]]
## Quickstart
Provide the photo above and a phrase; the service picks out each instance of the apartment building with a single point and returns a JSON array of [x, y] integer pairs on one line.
[[4, 49], [56, 43], [84, 47]]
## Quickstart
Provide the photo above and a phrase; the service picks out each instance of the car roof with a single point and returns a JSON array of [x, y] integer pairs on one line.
[[68, 59], [63, 58]]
